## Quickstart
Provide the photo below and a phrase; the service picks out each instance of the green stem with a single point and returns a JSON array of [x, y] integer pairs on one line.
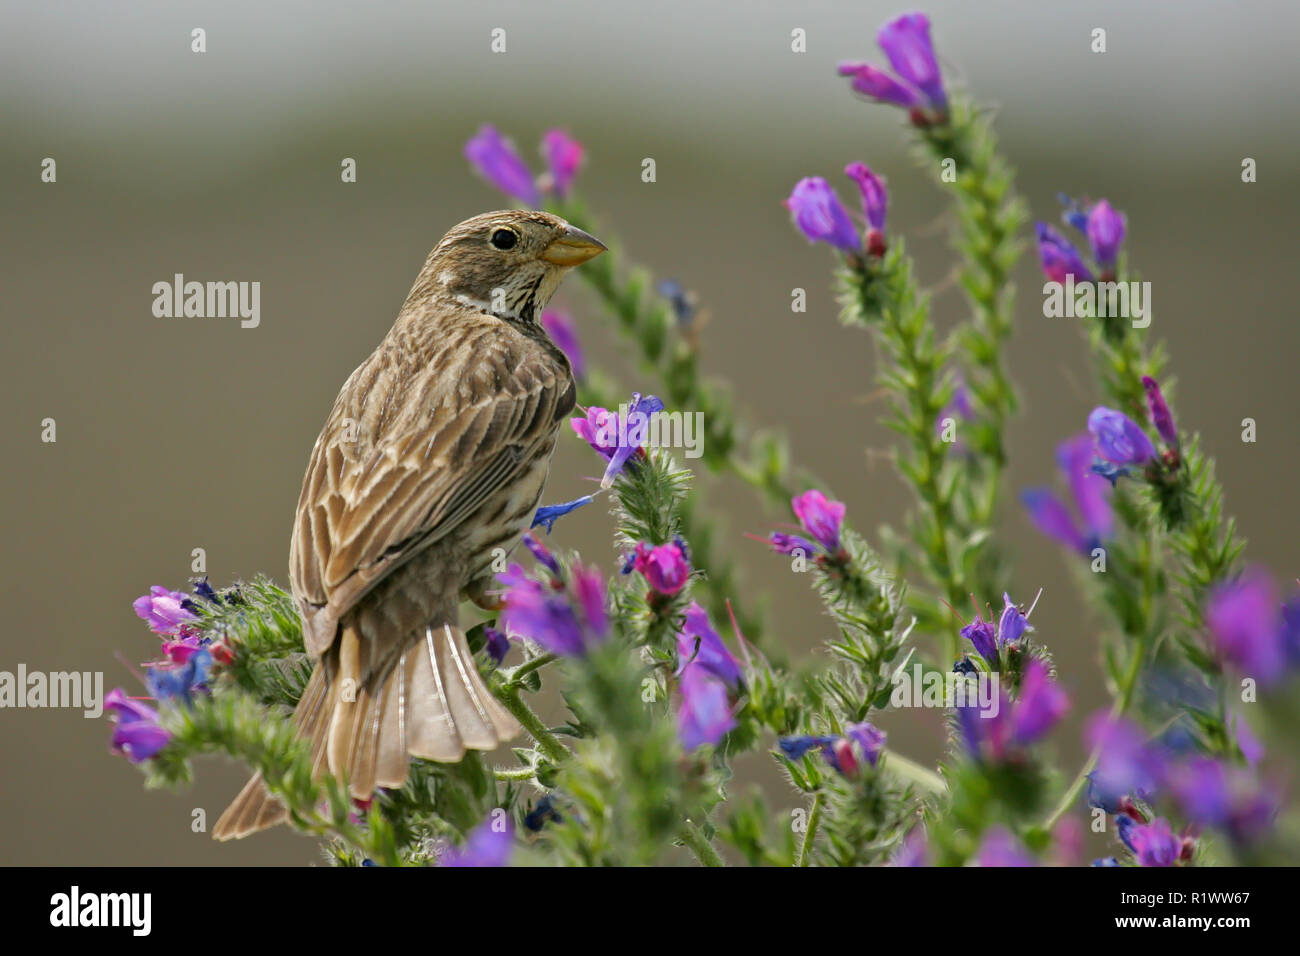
[[697, 843], [810, 834], [513, 679], [551, 746], [514, 773]]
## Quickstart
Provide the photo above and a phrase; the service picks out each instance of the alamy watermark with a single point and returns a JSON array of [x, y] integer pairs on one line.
[[1098, 300], [918, 687], [78, 689], [684, 430], [209, 300]]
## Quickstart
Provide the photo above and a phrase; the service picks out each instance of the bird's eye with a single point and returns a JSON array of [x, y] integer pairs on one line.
[[504, 238]]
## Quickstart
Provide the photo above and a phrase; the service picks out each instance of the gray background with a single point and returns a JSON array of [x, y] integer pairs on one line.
[[183, 433]]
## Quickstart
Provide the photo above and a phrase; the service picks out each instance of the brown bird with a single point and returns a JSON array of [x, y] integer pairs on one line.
[[430, 466]]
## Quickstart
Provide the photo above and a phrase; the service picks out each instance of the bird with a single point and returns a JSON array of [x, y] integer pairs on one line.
[[429, 468]]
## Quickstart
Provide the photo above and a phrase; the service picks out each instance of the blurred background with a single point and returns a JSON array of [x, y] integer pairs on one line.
[[182, 433]]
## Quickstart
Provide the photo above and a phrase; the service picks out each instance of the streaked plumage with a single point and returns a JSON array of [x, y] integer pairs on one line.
[[434, 455]]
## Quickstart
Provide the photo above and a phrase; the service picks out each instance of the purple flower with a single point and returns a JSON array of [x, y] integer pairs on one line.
[[704, 715], [1161, 417], [1105, 228], [542, 554], [559, 326], [870, 740], [1001, 848], [879, 85], [906, 42], [982, 634], [1247, 626], [665, 567], [1041, 705], [498, 645], [136, 732], [783, 543], [913, 851], [181, 650], [617, 440], [1154, 843], [589, 591], [1059, 257], [989, 641], [875, 202], [1291, 628], [545, 615], [181, 682], [959, 406], [820, 517], [488, 844], [1119, 439], [917, 83], [698, 645], [598, 428], [563, 155], [1126, 764], [1013, 623], [1074, 457], [1228, 798], [495, 159], [1053, 519], [1252, 751], [820, 217], [163, 610]]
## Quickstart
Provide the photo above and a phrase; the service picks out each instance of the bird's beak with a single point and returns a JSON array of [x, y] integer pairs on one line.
[[573, 248]]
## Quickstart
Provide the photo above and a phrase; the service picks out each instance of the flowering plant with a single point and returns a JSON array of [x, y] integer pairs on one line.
[[668, 675]]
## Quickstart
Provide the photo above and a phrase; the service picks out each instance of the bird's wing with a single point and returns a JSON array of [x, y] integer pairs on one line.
[[440, 451]]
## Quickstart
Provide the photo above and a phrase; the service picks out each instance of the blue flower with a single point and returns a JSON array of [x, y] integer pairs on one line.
[[544, 812], [547, 515], [181, 682]]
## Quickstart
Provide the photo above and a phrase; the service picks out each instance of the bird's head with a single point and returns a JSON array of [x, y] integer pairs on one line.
[[507, 263]]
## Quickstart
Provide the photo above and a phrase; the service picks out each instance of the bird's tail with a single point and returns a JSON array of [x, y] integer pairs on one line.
[[430, 703]]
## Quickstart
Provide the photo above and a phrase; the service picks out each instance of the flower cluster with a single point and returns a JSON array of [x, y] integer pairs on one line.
[[495, 159], [861, 743], [991, 642], [916, 83], [1134, 772], [1000, 735], [820, 518], [185, 669], [1104, 227], [618, 439], [1251, 630], [566, 618], [820, 216]]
